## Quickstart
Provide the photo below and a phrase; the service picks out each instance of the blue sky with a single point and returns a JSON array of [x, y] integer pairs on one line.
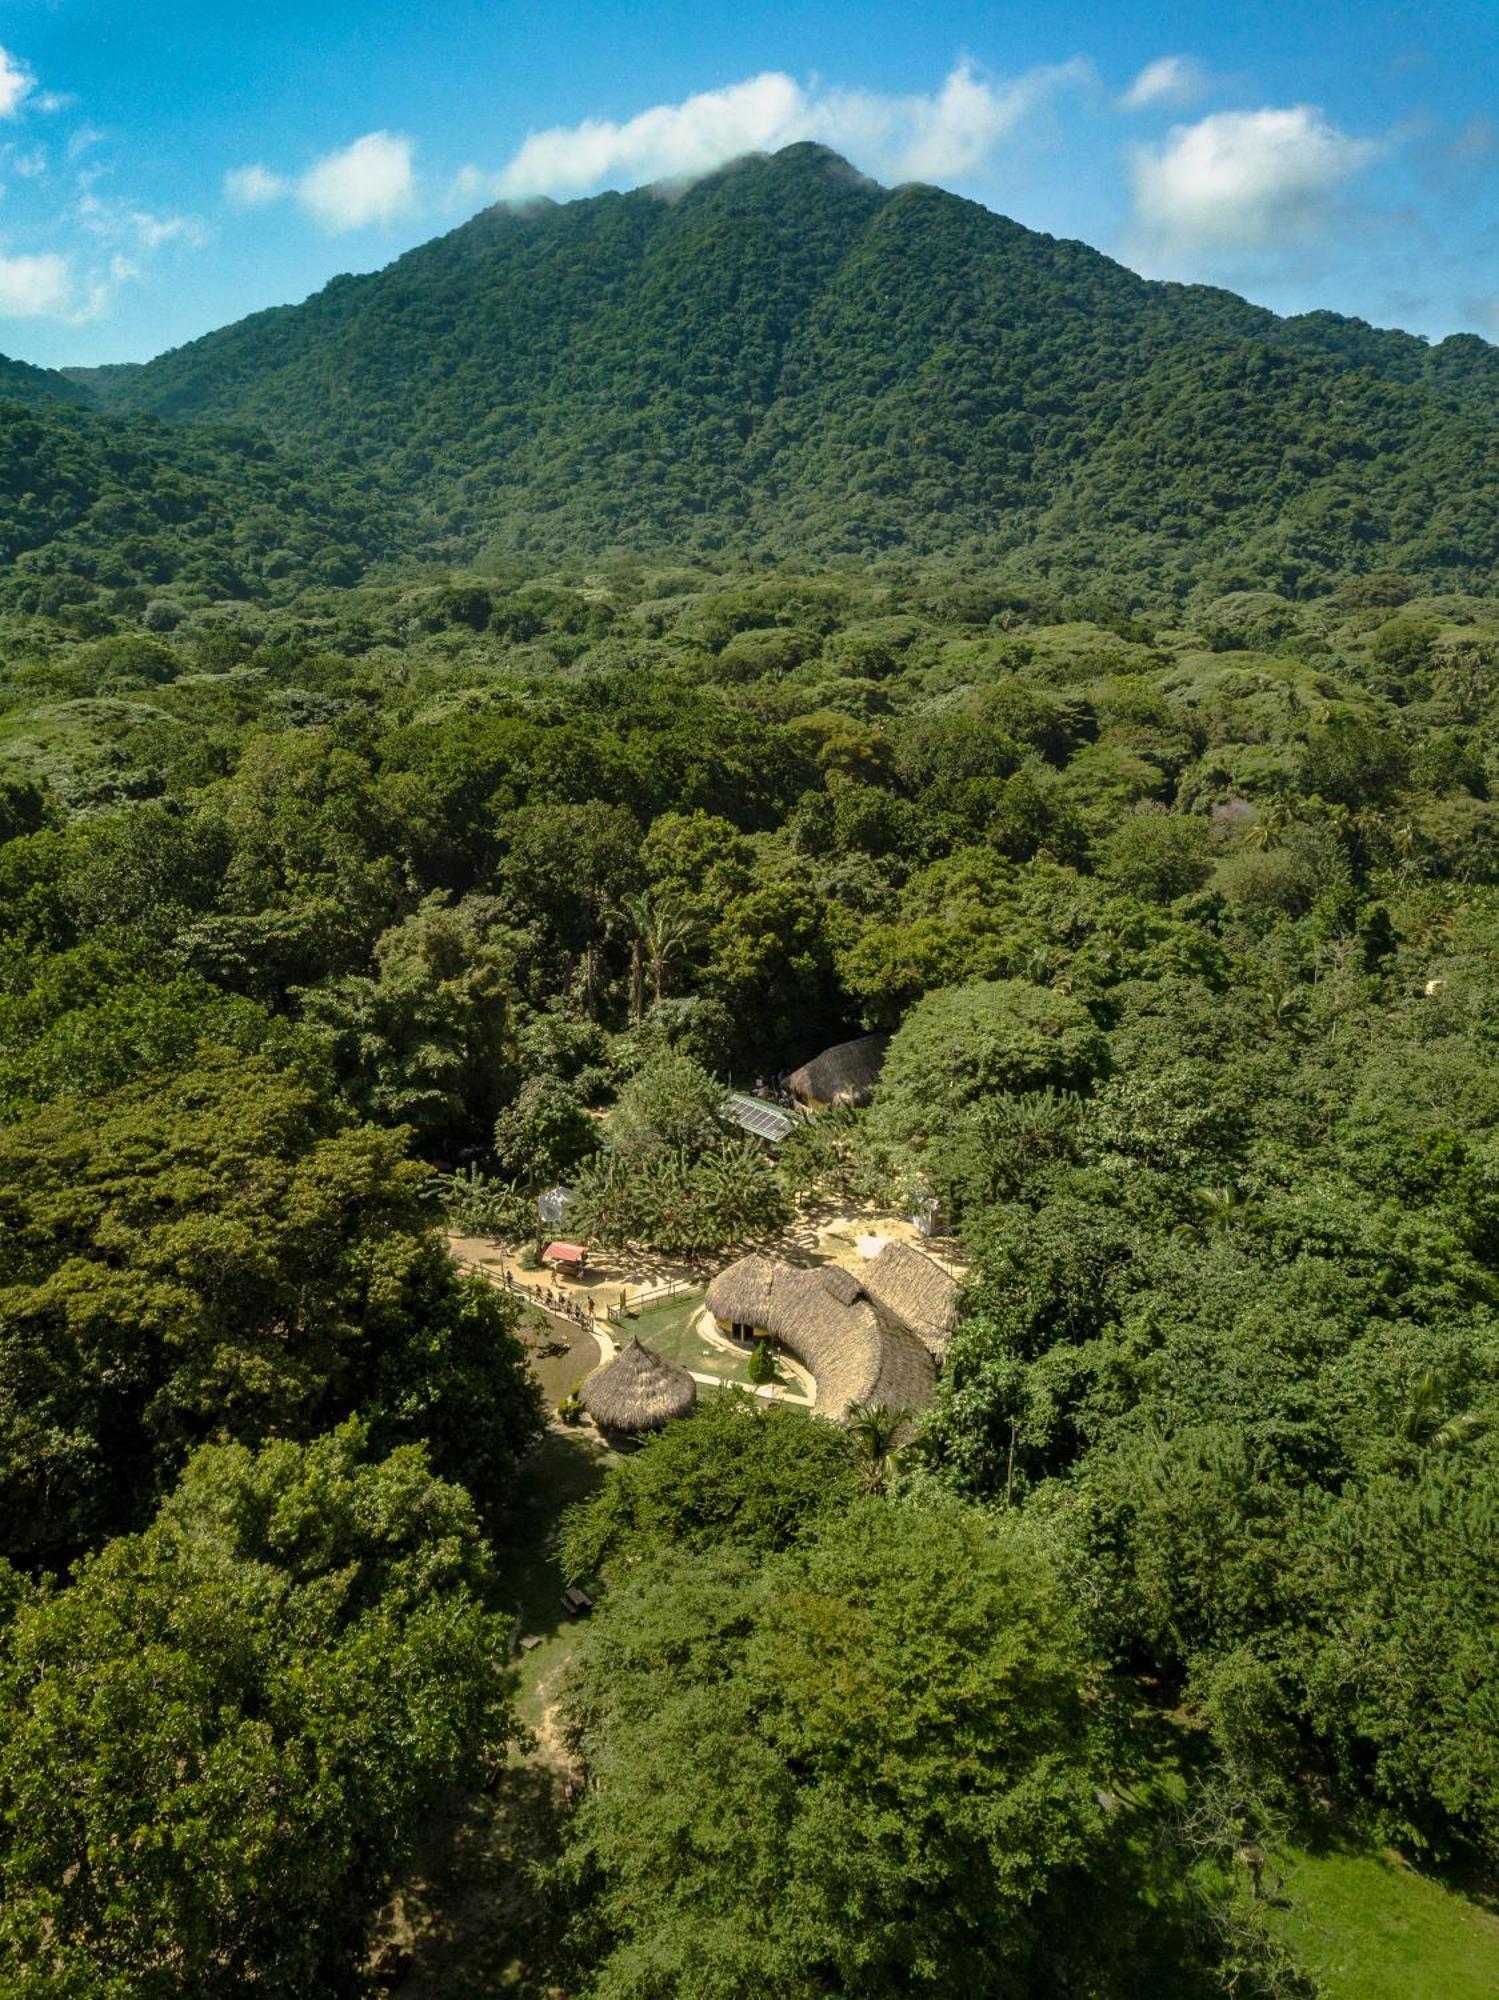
[[167, 167]]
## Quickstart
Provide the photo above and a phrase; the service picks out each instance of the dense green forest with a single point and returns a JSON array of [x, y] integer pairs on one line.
[[1188, 934], [1091, 684], [789, 359]]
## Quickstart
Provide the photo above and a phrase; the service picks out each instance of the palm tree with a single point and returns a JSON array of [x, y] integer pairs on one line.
[[1221, 1208], [1271, 823], [875, 1429], [664, 933], [1423, 1424]]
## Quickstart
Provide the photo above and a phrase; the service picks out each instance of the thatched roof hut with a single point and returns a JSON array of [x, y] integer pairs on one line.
[[637, 1391], [823, 1320], [913, 1290], [844, 1074]]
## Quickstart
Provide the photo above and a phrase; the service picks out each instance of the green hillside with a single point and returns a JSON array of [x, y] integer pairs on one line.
[[456, 737], [93, 505], [789, 358], [21, 383]]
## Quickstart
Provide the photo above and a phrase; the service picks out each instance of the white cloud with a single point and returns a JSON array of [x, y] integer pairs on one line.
[[118, 222], [669, 142], [16, 84], [1243, 179], [1172, 80], [253, 187], [35, 286], [372, 180], [947, 135], [151, 231]]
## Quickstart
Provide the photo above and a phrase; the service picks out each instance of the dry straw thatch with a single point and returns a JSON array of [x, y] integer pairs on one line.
[[914, 1291], [825, 1322], [637, 1391], [844, 1074]]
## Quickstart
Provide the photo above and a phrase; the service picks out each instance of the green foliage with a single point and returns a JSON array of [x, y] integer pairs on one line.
[[1158, 856], [425, 1040], [1401, 1644], [217, 1738], [83, 1022], [211, 1256], [963, 1043], [91, 504], [762, 1366], [683, 1204], [868, 1760], [545, 1135], [672, 1103], [480, 1205], [737, 1472]]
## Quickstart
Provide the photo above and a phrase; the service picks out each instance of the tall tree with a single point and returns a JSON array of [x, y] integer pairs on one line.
[[217, 1740]]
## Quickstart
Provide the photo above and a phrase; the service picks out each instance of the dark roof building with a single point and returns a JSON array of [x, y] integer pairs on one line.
[[844, 1074]]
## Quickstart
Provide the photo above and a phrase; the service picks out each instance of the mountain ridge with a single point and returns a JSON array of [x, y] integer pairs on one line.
[[787, 358]]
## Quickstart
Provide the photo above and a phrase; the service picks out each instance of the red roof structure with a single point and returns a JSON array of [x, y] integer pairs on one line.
[[564, 1253]]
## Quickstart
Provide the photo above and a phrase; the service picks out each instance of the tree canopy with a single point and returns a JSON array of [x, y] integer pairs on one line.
[[215, 1740]]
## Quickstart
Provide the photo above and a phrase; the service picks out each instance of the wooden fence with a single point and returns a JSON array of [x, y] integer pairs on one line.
[[567, 1305]]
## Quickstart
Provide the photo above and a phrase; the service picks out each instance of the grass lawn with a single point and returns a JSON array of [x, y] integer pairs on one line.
[[669, 1330], [1372, 1929], [1363, 1923], [566, 1466], [559, 1374]]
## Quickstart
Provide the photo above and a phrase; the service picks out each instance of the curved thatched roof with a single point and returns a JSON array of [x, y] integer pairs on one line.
[[637, 1391], [824, 1321], [844, 1074], [913, 1289]]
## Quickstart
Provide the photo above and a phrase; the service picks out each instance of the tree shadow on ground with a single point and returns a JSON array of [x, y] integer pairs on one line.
[[472, 1916]]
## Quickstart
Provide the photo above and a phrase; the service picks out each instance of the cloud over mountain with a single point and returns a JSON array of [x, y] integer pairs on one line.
[[950, 133]]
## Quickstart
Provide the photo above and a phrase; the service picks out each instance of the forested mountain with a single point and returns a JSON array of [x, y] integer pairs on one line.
[[93, 505], [350, 896], [21, 383], [788, 357]]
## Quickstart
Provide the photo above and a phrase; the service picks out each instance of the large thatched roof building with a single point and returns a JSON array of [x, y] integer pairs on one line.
[[637, 1391], [824, 1320], [912, 1290], [844, 1074]]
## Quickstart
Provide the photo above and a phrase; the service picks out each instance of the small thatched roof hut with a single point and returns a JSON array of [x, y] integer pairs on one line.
[[823, 1320], [844, 1074], [912, 1289], [637, 1391]]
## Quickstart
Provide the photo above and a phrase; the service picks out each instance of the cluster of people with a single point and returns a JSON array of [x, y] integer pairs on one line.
[[559, 1303]]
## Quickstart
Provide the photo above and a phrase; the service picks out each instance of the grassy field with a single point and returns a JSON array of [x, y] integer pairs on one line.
[[567, 1466], [1371, 1928], [669, 1329]]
